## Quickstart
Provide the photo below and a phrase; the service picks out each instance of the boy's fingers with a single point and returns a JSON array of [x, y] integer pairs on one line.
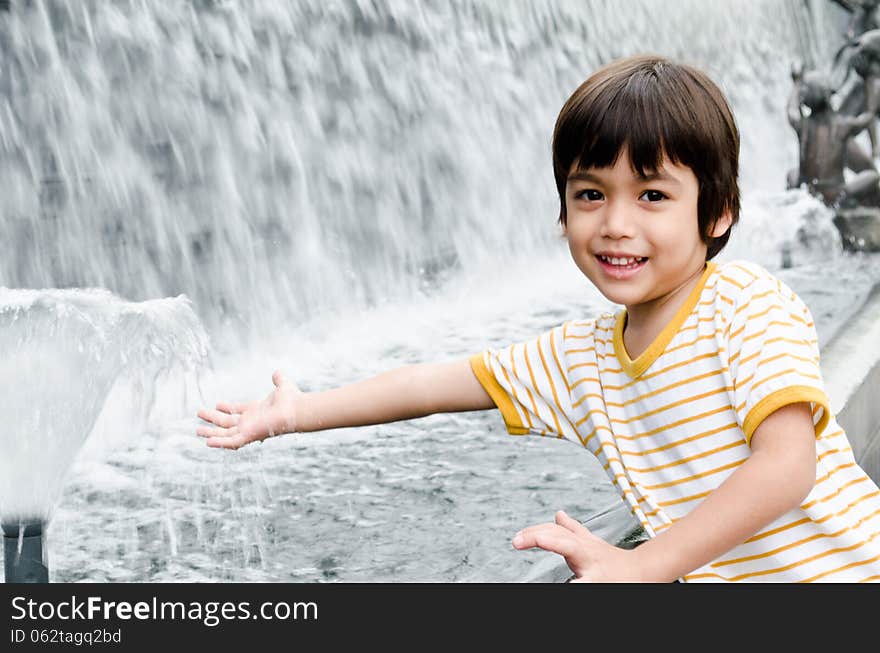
[[282, 381], [569, 523], [228, 407], [235, 442], [220, 418], [549, 537], [215, 432]]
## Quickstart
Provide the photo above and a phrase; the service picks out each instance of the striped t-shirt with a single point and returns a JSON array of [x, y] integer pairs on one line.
[[670, 426]]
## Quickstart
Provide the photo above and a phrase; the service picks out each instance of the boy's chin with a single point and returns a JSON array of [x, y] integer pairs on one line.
[[627, 297]]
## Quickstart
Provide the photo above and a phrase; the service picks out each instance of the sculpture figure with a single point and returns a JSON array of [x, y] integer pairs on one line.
[[823, 136], [864, 16]]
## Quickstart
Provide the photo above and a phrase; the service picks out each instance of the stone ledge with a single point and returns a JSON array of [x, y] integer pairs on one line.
[[851, 371]]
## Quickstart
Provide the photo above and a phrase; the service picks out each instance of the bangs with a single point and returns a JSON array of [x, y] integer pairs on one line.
[[646, 114]]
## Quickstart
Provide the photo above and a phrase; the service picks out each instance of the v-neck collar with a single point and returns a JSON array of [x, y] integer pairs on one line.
[[634, 368]]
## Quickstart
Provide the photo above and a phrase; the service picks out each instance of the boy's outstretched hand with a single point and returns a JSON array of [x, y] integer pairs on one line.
[[591, 558], [235, 425]]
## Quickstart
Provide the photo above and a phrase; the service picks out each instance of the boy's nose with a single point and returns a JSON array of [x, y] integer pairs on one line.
[[616, 221]]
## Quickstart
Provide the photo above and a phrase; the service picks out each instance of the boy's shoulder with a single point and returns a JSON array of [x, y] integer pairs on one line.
[[741, 282], [740, 273]]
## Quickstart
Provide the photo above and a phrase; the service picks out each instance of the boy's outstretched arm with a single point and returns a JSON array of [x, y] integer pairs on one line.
[[403, 393], [777, 476]]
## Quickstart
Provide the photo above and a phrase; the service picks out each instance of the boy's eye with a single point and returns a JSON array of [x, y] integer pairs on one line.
[[653, 195], [590, 195]]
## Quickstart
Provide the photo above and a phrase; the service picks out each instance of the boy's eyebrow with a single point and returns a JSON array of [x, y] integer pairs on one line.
[[659, 175]]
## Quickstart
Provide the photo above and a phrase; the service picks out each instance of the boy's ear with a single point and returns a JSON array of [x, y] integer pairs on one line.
[[722, 224]]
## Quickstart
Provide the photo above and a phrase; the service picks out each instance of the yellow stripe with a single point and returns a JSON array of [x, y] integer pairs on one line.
[[645, 377], [711, 300], [752, 276], [812, 359], [535, 385], [806, 520], [764, 328], [587, 396], [681, 461], [513, 389], [766, 572], [600, 427], [693, 497], [665, 388], [790, 370], [676, 404], [671, 425], [705, 434], [708, 336], [558, 365], [585, 379], [761, 536], [843, 568], [836, 434], [831, 452], [672, 386], [595, 411], [791, 545], [733, 282], [579, 351], [553, 386], [828, 497], [710, 472]]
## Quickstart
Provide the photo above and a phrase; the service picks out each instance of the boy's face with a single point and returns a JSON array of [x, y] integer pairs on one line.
[[637, 239]]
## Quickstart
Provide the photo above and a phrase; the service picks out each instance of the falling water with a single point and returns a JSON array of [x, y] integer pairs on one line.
[[279, 160]]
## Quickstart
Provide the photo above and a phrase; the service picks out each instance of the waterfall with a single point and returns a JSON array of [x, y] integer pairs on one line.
[[276, 160]]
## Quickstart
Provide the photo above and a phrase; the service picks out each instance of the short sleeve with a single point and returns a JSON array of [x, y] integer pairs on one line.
[[773, 355], [528, 385]]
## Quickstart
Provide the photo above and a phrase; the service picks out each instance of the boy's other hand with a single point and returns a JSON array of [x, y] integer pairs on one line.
[[235, 425], [590, 557]]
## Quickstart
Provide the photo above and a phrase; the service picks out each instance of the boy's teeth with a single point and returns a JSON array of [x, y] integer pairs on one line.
[[620, 261]]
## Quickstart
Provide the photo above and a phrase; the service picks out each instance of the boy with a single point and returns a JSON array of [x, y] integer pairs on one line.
[[702, 398]]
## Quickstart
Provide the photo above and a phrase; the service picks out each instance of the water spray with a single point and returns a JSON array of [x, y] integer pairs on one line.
[[25, 553]]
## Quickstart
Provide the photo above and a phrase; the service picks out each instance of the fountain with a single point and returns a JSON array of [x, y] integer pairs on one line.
[[64, 351]]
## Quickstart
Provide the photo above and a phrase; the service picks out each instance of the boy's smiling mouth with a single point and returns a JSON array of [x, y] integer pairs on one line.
[[620, 266]]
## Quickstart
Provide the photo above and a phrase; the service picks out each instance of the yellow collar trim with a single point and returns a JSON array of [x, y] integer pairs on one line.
[[634, 368]]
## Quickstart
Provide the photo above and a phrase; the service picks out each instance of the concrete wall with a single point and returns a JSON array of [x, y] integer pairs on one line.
[[851, 370]]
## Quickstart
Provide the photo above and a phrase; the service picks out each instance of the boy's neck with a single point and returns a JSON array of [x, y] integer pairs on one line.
[[644, 322]]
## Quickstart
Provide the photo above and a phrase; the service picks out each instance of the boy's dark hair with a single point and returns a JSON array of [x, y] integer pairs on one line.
[[654, 107]]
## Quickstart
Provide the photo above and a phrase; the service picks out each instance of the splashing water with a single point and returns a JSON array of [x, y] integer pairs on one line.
[[63, 352]]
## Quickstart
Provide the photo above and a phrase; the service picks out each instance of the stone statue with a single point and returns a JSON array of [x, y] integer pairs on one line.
[[828, 117], [860, 92], [864, 16], [823, 135]]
